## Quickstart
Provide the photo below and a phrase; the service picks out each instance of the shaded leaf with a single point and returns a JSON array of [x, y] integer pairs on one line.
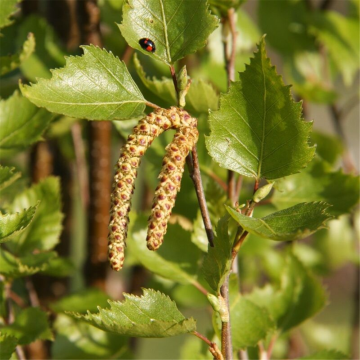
[[222, 7], [8, 176], [290, 34], [328, 147], [318, 183], [340, 35], [249, 323], [327, 355], [11, 62], [95, 86], [258, 131], [81, 301], [7, 346], [299, 297], [14, 267], [21, 122], [60, 267], [176, 28], [30, 324], [14, 223], [217, 262], [176, 259], [78, 340], [290, 224], [8, 8], [44, 231], [47, 55], [151, 315]]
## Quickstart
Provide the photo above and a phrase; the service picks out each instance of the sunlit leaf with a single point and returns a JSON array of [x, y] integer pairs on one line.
[[7, 346], [15, 223], [151, 315], [8, 8], [289, 224], [299, 297], [21, 122], [177, 28], [95, 86], [319, 183], [29, 325], [11, 62], [258, 131]]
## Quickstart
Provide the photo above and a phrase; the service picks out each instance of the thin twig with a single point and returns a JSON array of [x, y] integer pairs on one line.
[[271, 346], [262, 352], [173, 75], [212, 346], [202, 337], [226, 344], [33, 296], [200, 288], [194, 170], [150, 104], [238, 187], [127, 54], [216, 178]]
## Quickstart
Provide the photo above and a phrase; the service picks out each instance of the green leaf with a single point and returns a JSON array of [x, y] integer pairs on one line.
[[48, 54], [95, 86], [151, 315], [290, 224], [249, 323], [8, 8], [81, 301], [217, 262], [44, 231], [176, 28], [286, 25], [340, 35], [78, 340], [299, 297], [11, 62], [8, 176], [328, 147], [258, 131], [318, 183], [222, 7], [30, 324], [7, 346], [200, 98], [60, 267], [327, 355], [177, 259], [14, 267], [21, 122], [15, 223]]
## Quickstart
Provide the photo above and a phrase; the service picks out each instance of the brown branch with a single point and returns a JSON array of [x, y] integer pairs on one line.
[[194, 170], [33, 296]]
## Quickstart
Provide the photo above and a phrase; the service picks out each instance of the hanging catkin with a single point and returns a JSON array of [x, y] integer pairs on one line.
[[169, 185], [126, 171]]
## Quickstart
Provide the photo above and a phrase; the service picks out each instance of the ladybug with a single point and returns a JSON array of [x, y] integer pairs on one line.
[[147, 44]]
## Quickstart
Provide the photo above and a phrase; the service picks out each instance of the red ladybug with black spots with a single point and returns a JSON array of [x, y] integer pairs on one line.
[[147, 44]]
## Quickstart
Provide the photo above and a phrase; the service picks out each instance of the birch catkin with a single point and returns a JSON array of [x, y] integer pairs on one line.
[[126, 171]]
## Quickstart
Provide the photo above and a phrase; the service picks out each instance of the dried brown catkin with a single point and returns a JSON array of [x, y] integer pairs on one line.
[[126, 171], [170, 182]]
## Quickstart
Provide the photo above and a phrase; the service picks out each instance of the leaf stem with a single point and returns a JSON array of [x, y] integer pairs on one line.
[[212, 346], [150, 104], [226, 343], [173, 75], [216, 178], [194, 170], [200, 288]]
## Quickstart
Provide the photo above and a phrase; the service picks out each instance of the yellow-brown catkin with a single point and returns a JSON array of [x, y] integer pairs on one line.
[[126, 171], [170, 181]]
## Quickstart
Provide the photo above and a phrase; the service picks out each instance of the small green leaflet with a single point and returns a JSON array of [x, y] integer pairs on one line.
[[21, 122], [151, 315], [319, 183], [95, 86], [11, 62], [7, 176], [44, 231], [217, 263], [177, 28], [290, 224], [14, 223], [29, 325], [8, 8], [7, 346], [258, 131], [299, 297]]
